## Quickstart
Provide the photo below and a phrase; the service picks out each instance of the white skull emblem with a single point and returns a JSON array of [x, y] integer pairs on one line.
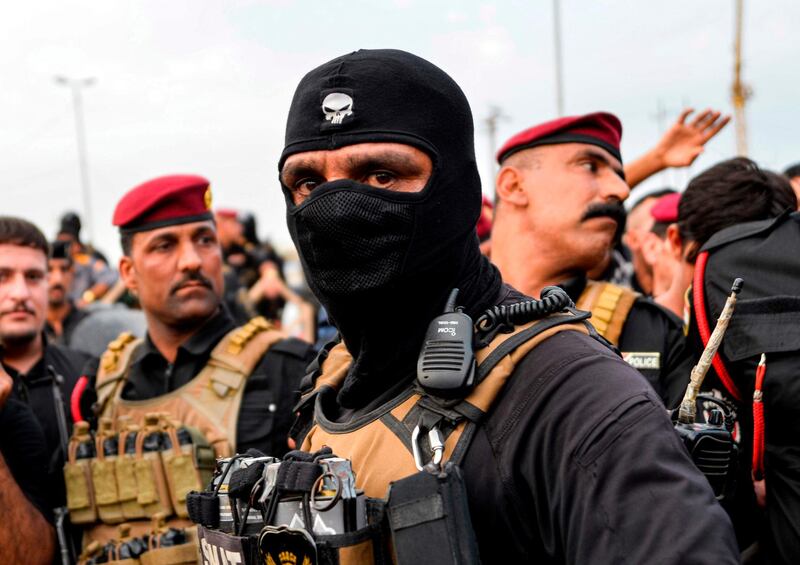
[[337, 106]]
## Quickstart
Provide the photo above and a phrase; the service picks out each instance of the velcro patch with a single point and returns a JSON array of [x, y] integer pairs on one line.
[[643, 360]]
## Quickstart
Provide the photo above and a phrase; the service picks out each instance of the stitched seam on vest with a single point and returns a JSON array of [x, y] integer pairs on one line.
[[398, 429], [344, 427], [508, 346]]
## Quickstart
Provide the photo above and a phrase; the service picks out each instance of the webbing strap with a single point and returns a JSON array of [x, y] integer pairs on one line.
[[521, 337]]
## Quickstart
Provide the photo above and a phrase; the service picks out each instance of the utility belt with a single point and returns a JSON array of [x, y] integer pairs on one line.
[[306, 509], [134, 473]]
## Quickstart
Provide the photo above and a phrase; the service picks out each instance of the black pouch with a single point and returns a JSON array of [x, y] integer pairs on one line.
[[429, 519]]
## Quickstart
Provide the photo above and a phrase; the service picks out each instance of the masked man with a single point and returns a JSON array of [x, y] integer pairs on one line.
[[575, 460]]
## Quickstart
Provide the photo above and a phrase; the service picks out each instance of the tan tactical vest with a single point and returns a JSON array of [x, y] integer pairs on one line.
[[376, 449], [609, 305], [210, 402]]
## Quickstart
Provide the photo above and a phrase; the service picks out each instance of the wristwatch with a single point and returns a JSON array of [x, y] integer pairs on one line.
[[88, 297]]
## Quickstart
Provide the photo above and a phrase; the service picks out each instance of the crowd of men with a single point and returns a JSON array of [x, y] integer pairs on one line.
[[574, 458]]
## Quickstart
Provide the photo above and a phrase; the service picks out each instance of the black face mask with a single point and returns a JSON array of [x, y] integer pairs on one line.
[[381, 262]]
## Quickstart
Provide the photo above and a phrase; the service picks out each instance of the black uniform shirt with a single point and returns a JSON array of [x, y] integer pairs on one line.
[[24, 450], [35, 388], [653, 341], [577, 462], [68, 325], [265, 415]]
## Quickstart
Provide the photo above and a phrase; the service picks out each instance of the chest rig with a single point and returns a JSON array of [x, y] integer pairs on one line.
[[416, 428], [209, 402], [198, 422]]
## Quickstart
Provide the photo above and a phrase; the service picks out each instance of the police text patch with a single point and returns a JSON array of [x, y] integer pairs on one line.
[[643, 360]]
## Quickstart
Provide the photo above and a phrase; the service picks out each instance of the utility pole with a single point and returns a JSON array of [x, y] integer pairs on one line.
[[76, 86], [495, 115], [557, 39], [740, 92]]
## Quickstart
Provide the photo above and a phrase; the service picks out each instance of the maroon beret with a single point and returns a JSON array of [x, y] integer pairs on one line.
[[601, 129], [229, 213], [666, 209], [164, 201]]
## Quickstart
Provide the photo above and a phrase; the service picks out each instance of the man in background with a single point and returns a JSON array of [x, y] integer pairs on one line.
[[62, 314], [559, 210]]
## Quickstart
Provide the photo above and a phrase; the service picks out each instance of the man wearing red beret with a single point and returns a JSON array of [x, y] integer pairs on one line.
[[236, 385], [559, 210]]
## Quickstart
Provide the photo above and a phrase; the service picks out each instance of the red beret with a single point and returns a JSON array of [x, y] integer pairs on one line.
[[601, 128], [227, 213], [164, 201], [666, 209]]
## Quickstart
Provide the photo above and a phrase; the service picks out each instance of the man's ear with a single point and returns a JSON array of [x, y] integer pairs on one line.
[[127, 272], [508, 187], [674, 242]]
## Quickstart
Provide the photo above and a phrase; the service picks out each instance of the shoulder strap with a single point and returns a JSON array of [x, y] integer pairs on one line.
[[610, 305], [237, 354], [113, 369], [496, 362]]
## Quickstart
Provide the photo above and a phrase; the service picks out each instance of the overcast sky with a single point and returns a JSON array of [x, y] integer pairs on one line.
[[203, 86]]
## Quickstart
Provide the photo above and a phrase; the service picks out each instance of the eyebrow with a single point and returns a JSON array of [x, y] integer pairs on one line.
[[357, 162], [601, 156]]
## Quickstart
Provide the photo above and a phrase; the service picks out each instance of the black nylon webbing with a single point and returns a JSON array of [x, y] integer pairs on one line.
[[297, 476]]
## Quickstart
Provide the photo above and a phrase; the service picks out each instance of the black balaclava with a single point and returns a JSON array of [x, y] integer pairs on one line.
[[381, 262]]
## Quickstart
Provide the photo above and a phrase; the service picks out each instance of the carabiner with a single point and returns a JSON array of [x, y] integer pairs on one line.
[[436, 444]]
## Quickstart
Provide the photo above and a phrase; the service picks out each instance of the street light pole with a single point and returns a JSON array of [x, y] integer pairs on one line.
[[76, 86], [557, 41]]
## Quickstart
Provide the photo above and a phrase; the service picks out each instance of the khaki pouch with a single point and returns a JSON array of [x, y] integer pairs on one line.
[[151, 483], [80, 498], [104, 478], [184, 472], [127, 490], [78, 479], [185, 554]]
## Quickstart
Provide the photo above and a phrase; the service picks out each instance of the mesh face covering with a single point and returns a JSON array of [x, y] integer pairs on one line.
[[382, 263]]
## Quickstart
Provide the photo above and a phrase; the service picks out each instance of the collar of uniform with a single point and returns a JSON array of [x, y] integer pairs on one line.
[[200, 342], [574, 287]]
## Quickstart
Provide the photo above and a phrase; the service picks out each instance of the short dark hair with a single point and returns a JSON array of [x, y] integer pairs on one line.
[[792, 171], [729, 193], [126, 242], [16, 231]]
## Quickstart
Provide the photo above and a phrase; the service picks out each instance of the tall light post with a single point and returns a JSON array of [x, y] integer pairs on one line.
[[76, 86], [557, 41]]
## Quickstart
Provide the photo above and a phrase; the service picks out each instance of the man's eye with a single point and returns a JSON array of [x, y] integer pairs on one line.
[[35, 277], [381, 178], [207, 240], [590, 166], [163, 246], [306, 185]]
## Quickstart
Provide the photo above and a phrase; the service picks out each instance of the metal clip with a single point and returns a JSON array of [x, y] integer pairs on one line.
[[436, 444]]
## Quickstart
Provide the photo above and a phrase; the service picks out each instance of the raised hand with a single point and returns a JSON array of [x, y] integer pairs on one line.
[[683, 142]]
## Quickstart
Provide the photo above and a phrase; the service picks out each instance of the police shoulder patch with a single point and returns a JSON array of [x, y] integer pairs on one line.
[[643, 360]]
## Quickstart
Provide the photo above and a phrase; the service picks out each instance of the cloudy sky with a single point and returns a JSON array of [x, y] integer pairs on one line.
[[204, 85]]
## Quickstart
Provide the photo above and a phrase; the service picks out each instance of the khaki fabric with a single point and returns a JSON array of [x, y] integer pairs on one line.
[[610, 305], [150, 483], [210, 402], [375, 442]]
